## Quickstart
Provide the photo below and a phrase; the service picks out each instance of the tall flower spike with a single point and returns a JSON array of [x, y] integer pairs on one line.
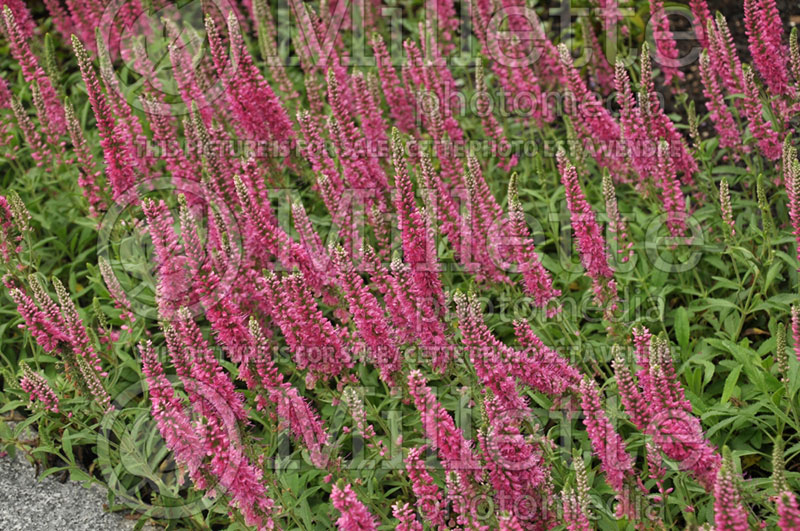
[[606, 442], [638, 143], [791, 176], [616, 225], [764, 36], [666, 50], [39, 152], [369, 317], [660, 127], [794, 57], [669, 185], [537, 281], [485, 224], [45, 126], [116, 291], [574, 517], [768, 139], [46, 325], [675, 431], [724, 57], [355, 515], [727, 209], [632, 399], [429, 496], [594, 124], [89, 179], [129, 128], [454, 450], [700, 17], [781, 358], [515, 463], [31, 69], [796, 330], [38, 389], [490, 124], [715, 102], [78, 337], [173, 422], [118, 166], [21, 15], [539, 366], [603, 72], [484, 352], [316, 343], [589, 237], [263, 110], [259, 372], [779, 483], [729, 511], [419, 251]]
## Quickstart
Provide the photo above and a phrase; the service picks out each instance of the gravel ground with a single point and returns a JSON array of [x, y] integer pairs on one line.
[[27, 504]]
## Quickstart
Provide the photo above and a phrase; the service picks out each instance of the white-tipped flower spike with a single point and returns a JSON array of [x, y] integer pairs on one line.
[[727, 210]]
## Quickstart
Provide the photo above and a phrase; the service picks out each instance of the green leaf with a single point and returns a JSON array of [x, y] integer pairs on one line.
[[67, 444], [730, 384], [682, 327], [76, 474]]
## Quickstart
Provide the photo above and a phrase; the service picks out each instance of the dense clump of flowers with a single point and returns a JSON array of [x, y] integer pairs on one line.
[[275, 332], [173, 421], [659, 408]]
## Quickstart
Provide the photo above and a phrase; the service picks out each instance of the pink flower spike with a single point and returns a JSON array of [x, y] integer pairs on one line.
[[730, 513], [369, 318], [90, 175], [455, 452], [715, 102], [768, 139], [21, 15], [788, 512], [429, 496], [765, 33], [116, 291], [574, 516], [666, 50], [355, 516], [119, 169], [173, 421], [632, 399], [701, 15], [606, 442], [796, 330], [588, 236], [407, 519], [537, 280], [38, 389]]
